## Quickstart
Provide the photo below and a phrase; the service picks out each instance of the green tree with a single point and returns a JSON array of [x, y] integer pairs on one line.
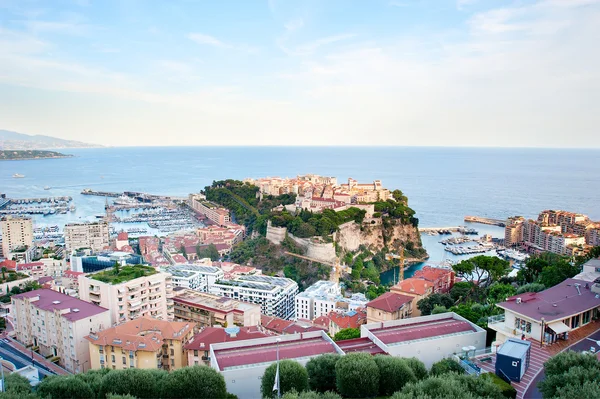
[[483, 269], [137, 382], [357, 375], [575, 376], [589, 389], [293, 394], [531, 287], [321, 372], [93, 378], [450, 386], [427, 304], [17, 384], [439, 309], [347, 333], [557, 273], [210, 251], [418, 367], [4, 269], [499, 292], [394, 373], [461, 290], [292, 375], [111, 396], [446, 366], [194, 382], [64, 387]]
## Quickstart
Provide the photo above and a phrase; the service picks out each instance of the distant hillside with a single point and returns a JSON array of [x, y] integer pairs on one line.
[[15, 155], [19, 141]]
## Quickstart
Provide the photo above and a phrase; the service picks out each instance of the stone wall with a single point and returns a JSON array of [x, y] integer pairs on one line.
[[321, 251], [275, 234]]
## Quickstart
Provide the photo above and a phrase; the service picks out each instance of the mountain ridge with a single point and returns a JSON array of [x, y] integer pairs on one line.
[[10, 140]]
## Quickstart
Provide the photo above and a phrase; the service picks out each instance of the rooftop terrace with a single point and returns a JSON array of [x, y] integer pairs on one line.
[[124, 274]]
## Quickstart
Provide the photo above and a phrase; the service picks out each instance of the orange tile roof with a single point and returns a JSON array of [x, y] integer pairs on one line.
[[432, 273], [413, 286], [390, 302], [144, 333], [343, 320]]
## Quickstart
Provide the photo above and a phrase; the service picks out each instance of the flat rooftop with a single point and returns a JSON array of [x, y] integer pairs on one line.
[[267, 353], [360, 345], [422, 330]]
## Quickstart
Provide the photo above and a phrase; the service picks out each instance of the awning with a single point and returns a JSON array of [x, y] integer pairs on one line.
[[559, 327]]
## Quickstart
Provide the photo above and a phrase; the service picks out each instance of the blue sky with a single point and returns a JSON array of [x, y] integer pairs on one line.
[[285, 72]]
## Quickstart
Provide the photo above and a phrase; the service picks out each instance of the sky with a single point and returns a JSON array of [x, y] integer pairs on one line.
[[512, 73]]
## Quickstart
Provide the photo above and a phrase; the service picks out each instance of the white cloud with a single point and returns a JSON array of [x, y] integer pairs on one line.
[[201, 38]]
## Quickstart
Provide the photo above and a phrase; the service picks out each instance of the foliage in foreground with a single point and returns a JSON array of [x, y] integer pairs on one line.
[[450, 386], [321, 372], [446, 366], [347, 333], [292, 376], [567, 374]]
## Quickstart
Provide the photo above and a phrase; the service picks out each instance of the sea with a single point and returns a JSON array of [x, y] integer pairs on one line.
[[442, 184]]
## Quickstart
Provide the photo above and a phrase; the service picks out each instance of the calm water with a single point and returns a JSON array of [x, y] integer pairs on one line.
[[442, 184]]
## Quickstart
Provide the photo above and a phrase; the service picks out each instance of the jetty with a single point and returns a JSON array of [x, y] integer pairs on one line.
[[432, 231], [89, 191], [482, 220]]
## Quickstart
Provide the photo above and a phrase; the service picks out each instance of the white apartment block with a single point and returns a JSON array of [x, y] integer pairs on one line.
[[275, 295], [94, 235], [324, 297], [196, 277], [55, 325], [150, 295], [16, 232]]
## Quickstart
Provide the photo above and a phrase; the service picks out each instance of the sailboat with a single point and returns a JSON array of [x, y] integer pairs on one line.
[[18, 176]]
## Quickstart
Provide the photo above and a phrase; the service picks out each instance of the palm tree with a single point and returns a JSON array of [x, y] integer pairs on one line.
[[4, 272]]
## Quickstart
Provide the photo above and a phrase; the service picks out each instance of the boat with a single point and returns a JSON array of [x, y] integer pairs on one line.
[[18, 176], [46, 187]]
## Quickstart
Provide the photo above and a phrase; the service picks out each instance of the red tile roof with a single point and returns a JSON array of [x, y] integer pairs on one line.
[[345, 320], [390, 302], [48, 298], [412, 285], [123, 236], [421, 330], [9, 264], [359, 345], [432, 273], [214, 335]]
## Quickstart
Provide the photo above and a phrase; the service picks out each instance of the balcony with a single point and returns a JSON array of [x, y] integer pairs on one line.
[[497, 323]]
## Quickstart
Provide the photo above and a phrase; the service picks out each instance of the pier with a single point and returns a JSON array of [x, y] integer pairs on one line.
[[89, 191], [482, 220], [447, 230]]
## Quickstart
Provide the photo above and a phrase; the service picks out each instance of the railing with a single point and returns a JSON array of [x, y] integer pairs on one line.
[[496, 319]]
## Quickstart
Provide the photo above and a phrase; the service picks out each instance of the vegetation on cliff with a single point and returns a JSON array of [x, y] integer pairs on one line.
[[13, 155], [308, 224]]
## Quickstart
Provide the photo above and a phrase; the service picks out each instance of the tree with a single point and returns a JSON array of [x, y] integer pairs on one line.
[[418, 367], [4, 269], [446, 366], [293, 394], [557, 273], [427, 304], [137, 382], [347, 333], [194, 382], [461, 290], [292, 375], [531, 287], [210, 251], [94, 379], [450, 386], [483, 269], [17, 384], [321, 372], [439, 309], [589, 389], [116, 268], [499, 292], [568, 368], [357, 375], [394, 374], [64, 387]]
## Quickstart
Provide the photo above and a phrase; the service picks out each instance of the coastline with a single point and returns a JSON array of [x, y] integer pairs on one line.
[[37, 158]]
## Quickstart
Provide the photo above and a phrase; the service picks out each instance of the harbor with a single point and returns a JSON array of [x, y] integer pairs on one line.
[[44, 206]]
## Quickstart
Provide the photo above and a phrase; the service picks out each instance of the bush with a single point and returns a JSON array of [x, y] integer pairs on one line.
[[450, 386], [357, 375], [347, 333], [136, 382], [508, 391], [94, 379], [394, 374], [293, 394], [17, 384], [418, 367], [64, 387], [321, 372], [111, 396], [589, 390], [445, 366], [292, 375], [194, 382]]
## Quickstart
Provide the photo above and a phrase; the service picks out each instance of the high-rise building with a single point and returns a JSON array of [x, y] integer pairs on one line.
[[55, 324], [17, 233], [195, 277], [323, 297], [94, 235], [133, 292], [212, 211]]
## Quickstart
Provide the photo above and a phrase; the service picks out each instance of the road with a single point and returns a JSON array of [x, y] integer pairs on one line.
[[584, 345], [20, 359]]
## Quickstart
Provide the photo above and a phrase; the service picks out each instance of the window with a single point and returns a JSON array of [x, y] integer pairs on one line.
[[172, 352], [113, 359], [522, 325], [586, 317], [173, 362], [124, 360], [575, 321], [101, 349]]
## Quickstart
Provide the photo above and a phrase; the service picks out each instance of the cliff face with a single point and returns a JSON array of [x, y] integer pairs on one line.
[[375, 237]]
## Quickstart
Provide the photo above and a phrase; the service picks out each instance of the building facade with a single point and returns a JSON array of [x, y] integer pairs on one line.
[[17, 233], [55, 325], [213, 212], [150, 296], [389, 306], [207, 310], [324, 297], [93, 235], [275, 295], [195, 277], [144, 343]]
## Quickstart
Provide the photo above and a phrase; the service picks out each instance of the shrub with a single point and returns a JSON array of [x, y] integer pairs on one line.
[[17, 384], [292, 375], [194, 382], [111, 396], [357, 375], [575, 376], [418, 367], [293, 394], [506, 389], [450, 386], [94, 379], [394, 374], [446, 366], [347, 333], [64, 387], [321, 372], [136, 382], [589, 390]]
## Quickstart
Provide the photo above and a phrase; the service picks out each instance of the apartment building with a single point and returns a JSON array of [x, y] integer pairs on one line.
[[416, 288], [207, 310], [55, 325], [389, 306], [17, 232], [275, 295], [144, 343], [132, 292], [212, 211], [323, 297], [195, 277], [94, 235]]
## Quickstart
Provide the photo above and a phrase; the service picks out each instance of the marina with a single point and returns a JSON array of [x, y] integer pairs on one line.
[[470, 249], [44, 206]]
